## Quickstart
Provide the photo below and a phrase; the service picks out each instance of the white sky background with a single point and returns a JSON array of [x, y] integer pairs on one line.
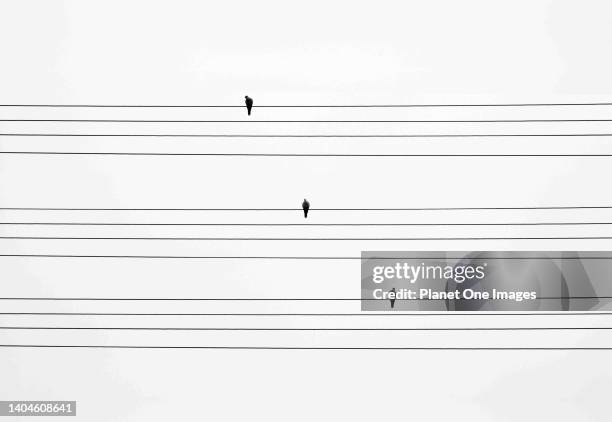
[[317, 52]]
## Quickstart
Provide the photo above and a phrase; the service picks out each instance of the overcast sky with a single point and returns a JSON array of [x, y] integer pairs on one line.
[[341, 51], [279, 52]]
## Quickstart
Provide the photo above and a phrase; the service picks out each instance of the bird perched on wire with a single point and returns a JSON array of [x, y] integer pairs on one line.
[[305, 207], [392, 298], [249, 103]]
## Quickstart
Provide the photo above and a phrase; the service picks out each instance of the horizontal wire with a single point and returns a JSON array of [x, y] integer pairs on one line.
[[248, 299], [308, 105], [289, 154], [100, 346], [252, 257], [309, 348], [306, 121], [563, 223], [362, 314], [545, 207], [307, 239], [354, 136], [303, 329]]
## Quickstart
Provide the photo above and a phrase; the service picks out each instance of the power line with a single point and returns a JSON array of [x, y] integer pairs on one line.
[[306, 121], [566, 223], [298, 136], [363, 314], [545, 207], [306, 239], [253, 257], [309, 105], [179, 154], [250, 299], [57, 328]]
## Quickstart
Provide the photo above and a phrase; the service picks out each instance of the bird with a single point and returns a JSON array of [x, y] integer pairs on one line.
[[249, 103], [392, 299], [305, 207]]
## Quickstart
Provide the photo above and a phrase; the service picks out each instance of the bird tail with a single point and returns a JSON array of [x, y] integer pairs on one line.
[[305, 213]]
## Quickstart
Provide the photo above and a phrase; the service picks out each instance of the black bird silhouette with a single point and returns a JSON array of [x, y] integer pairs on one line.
[[393, 299], [305, 207], [249, 103]]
